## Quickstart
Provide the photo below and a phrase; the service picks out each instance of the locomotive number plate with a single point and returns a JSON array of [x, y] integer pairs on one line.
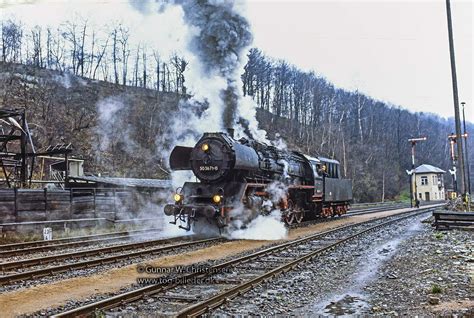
[[208, 168]]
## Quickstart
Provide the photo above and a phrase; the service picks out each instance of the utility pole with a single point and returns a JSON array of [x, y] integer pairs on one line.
[[412, 173], [455, 98], [466, 151], [452, 142]]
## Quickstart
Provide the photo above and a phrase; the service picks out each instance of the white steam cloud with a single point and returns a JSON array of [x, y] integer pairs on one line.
[[264, 227], [250, 225]]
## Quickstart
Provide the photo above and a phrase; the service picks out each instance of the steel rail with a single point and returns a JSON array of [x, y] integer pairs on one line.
[[17, 246], [139, 293], [6, 279], [348, 214], [370, 204], [46, 248], [85, 253], [377, 209], [15, 249]]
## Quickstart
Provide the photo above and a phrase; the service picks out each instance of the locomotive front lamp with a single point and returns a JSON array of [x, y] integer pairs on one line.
[[205, 147], [177, 197], [217, 198]]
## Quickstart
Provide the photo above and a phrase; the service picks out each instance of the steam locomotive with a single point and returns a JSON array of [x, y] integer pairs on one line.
[[241, 179]]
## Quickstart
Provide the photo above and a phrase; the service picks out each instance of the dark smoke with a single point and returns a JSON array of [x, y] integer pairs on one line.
[[224, 37], [221, 43]]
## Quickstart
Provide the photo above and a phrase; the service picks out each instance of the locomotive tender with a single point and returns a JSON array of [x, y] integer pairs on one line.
[[240, 179]]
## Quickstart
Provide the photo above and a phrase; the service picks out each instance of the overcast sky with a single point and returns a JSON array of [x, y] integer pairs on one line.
[[395, 51]]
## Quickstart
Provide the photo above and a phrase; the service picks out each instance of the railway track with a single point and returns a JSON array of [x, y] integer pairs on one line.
[[385, 207], [229, 279], [376, 209], [31, 247], [25, 246], [372, 204], [53, 247], [14, 249], [99, 257]]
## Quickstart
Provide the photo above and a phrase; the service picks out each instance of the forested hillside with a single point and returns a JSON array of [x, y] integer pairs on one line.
[[113, 102]]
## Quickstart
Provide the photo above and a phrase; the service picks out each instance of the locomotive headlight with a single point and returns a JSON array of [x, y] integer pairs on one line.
[[204, 147], [177, 197], [217, 198]]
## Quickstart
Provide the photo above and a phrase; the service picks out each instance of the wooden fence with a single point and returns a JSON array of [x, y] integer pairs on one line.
[[21, 205]]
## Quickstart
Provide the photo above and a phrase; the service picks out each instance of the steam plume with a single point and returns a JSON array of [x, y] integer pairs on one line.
[[217, 41]]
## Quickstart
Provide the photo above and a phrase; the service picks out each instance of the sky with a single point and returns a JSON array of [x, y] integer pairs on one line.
[[395, 51]]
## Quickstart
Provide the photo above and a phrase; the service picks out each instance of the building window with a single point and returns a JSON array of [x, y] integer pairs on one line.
[[434, 180], [424, 180], [419, 194]]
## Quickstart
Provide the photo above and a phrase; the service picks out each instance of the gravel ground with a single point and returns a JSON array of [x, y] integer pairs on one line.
[[391, 272], [150, 304], [430, 268], [307, 290]]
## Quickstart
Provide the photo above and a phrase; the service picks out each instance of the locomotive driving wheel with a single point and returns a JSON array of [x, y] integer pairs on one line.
[[299, 214], [289, 217]]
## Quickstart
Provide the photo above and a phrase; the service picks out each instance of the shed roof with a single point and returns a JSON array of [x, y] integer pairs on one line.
[[426, 168], [328, 160], [127, 182]]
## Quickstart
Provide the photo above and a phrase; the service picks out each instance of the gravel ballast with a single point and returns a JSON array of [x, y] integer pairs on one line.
[[391, 272]]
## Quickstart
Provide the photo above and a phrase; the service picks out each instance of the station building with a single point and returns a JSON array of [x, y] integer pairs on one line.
[[429, 183]]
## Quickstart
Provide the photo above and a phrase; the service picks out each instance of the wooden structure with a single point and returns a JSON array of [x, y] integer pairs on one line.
[[17, 150], [22, 206], [446, 220]]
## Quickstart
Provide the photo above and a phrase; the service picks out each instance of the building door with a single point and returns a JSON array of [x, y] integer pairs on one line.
[[427, 196]]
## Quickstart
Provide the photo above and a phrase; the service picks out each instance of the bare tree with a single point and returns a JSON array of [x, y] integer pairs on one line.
[[100, 58], [124, 35], [37, 54], [115, 34], [70, 35], [12, 41], [157, 58]]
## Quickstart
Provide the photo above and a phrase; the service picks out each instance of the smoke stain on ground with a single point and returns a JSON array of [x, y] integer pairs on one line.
[[31, 299]]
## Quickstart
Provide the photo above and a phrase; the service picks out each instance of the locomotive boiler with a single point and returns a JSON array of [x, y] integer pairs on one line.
[[241, 179]]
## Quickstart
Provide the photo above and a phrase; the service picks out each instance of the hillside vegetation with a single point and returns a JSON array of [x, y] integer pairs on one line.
[[114, 102], [368, 137]]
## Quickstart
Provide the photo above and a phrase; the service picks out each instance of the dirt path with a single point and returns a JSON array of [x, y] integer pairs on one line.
[[29, 300]]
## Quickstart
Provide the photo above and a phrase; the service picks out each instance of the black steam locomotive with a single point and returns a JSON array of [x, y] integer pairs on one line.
[[240, 179]]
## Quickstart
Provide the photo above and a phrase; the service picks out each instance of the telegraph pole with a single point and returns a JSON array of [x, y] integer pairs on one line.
[[466, 151], [455, 98], [452, 142], [412, 173]]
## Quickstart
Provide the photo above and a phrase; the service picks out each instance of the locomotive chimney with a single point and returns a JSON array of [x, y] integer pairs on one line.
[[230, 132]]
